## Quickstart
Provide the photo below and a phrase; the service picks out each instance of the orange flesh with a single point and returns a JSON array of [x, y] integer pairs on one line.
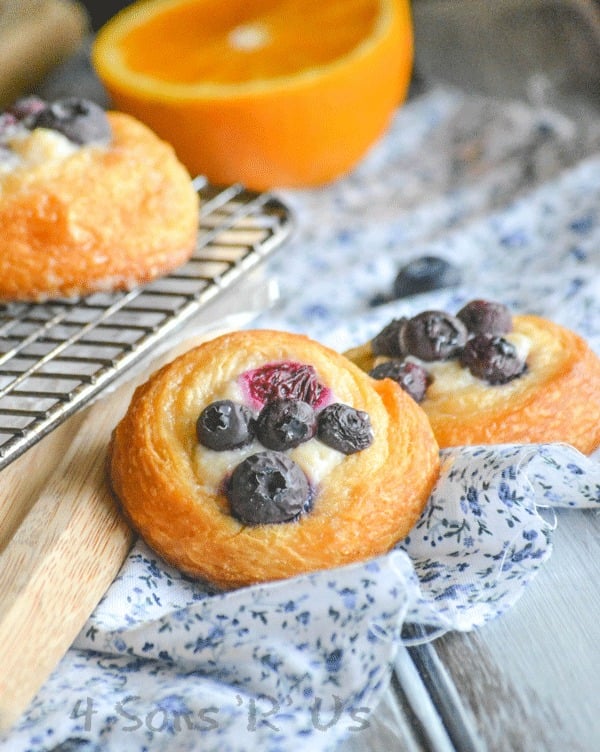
[[288, 93], [232, 45]]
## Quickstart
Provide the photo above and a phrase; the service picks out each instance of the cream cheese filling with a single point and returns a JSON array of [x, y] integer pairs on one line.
[[29, 149]]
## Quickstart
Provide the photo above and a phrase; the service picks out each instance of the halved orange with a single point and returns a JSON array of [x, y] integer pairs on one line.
[[263, 92]]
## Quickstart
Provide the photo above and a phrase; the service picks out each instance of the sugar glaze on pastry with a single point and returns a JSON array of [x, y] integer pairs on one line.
[[500, 378], [360, 456], [89, 201]]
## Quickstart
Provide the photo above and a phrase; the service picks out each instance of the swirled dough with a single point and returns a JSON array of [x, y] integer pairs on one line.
[[363, 503], [557, 399], [81, 219]]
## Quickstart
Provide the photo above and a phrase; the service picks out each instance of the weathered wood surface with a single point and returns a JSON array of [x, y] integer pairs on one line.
[[528, 681], [531, 679]]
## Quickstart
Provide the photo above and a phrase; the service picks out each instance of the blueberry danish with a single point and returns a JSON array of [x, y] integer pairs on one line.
[[484, 376], [89, 201], [261, 455]]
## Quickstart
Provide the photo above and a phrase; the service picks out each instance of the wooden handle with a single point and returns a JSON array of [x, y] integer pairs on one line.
[[20, 487], [35, 36], [58, 564], [62, 550]]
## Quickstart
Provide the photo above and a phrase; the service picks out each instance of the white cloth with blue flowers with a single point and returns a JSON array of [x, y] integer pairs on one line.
[[509, 194]]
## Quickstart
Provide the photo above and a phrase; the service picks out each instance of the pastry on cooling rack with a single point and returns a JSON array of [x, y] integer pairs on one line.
[[261, 455], [89, 201], [485, 376]]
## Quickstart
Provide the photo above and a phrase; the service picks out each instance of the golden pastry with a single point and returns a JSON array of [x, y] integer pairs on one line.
[[89, 201], [261, 455], [484, 376]]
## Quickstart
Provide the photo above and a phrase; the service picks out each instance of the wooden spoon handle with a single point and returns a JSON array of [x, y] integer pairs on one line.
[[65, 548], [59, 562], [36, 36]]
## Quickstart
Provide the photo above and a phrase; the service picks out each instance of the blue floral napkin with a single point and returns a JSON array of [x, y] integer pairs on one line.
[[511, 195], [165, 663]]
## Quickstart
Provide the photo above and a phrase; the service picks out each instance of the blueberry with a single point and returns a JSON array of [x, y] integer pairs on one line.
[[423, 274], [389, 340], [80, 120], [268, 487], [225, 425], [343, 428], [412, 377], [485, 317], [28, 107], [434, 335], [284, 424], [285, 380], [492, 358]]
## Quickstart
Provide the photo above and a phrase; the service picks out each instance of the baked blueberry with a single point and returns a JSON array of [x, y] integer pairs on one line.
[[423, 274], [412, 377], [389, 340], [286, 423], [434, 335], [485, 317], [344, 428], [27, 107], [285, 380], [225, 424], [80, 120], [268, 487], [492, 358]]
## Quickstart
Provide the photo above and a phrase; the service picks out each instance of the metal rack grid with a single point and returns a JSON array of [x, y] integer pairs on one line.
[[55, 357]]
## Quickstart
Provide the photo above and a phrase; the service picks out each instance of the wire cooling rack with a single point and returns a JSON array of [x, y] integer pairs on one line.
[[55, 357]]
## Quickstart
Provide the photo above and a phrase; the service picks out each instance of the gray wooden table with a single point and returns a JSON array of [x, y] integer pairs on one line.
[[528, 681]]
